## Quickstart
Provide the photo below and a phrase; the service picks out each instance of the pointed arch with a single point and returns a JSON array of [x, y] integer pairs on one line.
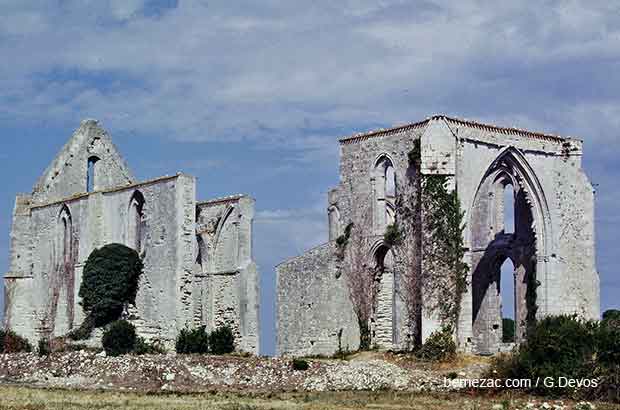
[[527, 247], [64, 235], [220, 226], [513, 164], [60, 305], [136, 222], [92, 173], [384, 189]]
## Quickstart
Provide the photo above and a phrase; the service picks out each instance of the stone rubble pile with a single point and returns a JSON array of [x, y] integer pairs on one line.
[[206, 373]]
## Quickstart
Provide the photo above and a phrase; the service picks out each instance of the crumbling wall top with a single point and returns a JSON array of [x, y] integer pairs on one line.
[[68, 174], [457, 121]]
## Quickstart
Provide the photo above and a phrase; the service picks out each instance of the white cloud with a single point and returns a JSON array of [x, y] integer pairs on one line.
[[206, 71], [124, 9]]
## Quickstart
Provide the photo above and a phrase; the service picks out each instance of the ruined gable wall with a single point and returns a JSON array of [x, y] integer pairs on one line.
[[566, 269], [226, 282], [67, 174], [313, 306]]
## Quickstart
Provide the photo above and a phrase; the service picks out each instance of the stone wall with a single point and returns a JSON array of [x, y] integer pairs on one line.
[[553, 242], [314, 314], [225, 271], [67, 174], [57, 227]]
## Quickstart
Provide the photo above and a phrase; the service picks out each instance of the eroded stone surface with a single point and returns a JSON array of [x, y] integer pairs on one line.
[[197, 256], [552, 242]]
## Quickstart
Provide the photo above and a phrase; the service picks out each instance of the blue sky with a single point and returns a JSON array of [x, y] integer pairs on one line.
[[251, 96]]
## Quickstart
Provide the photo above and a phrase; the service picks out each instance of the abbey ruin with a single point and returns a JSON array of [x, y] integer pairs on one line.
[[198, 265], [550, 245]]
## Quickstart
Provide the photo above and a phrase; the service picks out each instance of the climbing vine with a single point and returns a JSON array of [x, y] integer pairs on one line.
[[428, 236], [342, 241], [443, 248]]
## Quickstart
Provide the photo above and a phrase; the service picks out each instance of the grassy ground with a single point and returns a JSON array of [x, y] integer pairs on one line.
[[23, 398]]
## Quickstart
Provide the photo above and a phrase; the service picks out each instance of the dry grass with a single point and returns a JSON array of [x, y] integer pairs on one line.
[[23, 398]]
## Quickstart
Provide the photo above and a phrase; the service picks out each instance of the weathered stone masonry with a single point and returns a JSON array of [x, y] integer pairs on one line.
[[552, 241], [197, 255]]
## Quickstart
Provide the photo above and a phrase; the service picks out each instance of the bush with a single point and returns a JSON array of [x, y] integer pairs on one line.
[[11, 342], [439, 346], [120, 338], [392, 236], [608, 361], [144, 347], [300, 365], [83, 331], [222, 341], [193, 341], [110, 280], [558, 346], [45, 347], [508, 330], [612, 316]]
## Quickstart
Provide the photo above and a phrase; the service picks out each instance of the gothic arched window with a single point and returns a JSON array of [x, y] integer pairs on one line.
[[135, 226]]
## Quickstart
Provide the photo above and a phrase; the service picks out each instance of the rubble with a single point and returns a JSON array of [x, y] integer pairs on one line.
[[200, 373]]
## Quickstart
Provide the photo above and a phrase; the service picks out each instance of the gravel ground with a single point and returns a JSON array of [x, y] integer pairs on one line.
[[180, 373]]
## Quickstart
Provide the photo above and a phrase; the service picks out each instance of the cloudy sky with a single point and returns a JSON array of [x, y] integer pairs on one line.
[[251, 96]]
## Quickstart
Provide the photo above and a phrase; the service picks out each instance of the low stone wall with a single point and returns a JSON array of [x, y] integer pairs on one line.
[[314, 312]]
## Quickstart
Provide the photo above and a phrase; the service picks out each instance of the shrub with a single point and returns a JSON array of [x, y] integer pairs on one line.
[[119, 338], [84, 331], [222, 341], [45, 347], [11, 342], [558, 346], [612, 316], [343, 240], [392, 236], [439, 346], [110, 280], [144, 347], [300, 365], [608, 361], [193, 341], [508, 330]]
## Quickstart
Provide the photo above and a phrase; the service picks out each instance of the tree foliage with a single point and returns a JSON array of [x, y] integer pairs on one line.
[[568, 347], [222, 341], [11, 342], [439, 346], [109, 283], [612, 316], [199, 341], [119, 339], [191, 341], [343, 240], [508, 330]]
